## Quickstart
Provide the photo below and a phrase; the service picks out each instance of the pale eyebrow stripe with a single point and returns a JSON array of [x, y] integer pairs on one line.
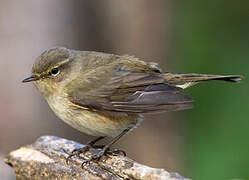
[[59, 64], [63, 62]]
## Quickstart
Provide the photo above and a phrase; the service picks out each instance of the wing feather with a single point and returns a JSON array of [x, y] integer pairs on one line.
[[118, 90]]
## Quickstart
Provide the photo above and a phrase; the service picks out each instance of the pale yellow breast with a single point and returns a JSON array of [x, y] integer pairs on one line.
[[91, 122]]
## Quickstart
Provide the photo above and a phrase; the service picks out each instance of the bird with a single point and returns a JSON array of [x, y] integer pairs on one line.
[[106, 95]]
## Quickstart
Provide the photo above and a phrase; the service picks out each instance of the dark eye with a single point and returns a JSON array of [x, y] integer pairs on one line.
[[55, 71]]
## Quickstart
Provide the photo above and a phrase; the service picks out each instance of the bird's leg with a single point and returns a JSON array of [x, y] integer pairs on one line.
[[106, 148], [90, 144]]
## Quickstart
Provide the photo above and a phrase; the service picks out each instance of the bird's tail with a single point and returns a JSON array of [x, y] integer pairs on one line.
[[187, 80]]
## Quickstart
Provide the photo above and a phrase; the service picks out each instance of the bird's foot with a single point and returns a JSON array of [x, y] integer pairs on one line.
[[96, 155], [116, 152], [78, 151], [99, 153], [98, 150]]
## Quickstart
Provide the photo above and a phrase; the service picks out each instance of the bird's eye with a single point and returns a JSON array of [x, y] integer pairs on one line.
[[55, 71]]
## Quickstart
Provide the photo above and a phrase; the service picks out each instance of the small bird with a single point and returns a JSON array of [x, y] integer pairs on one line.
[[105, 95]]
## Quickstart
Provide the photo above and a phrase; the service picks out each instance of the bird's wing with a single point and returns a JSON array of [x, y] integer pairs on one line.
[[115, 89]]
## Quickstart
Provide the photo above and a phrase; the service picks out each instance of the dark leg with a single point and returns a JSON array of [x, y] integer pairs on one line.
[[115, 139], [91, 144], [103, 151]]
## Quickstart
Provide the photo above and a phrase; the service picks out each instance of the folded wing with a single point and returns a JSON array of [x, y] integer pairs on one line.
[[120, 91]]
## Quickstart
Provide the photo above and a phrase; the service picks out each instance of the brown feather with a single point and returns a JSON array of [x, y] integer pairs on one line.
[[183, 78], [120, 90]]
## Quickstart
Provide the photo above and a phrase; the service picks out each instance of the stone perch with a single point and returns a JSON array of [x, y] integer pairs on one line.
[[46, 159]]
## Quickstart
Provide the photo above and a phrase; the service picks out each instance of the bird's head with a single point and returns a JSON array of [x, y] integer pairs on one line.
[[52, 69]]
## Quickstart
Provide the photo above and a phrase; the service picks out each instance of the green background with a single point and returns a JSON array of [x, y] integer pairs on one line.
[[213, 37]]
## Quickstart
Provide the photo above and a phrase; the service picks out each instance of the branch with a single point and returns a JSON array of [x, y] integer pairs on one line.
[[46, 159]]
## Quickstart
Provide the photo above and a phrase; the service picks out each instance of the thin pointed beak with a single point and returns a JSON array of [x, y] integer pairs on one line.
[[31, 78]]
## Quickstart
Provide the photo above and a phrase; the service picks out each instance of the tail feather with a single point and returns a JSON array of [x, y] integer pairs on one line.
[[206, 77], [232, 78], [180, 79]]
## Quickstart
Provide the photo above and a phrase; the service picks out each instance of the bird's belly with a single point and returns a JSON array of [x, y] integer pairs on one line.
[[91, 122]]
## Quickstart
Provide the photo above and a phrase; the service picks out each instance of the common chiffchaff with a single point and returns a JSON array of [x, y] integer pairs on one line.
[[105, 94]]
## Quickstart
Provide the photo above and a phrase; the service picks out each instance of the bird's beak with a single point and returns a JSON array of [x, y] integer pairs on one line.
[[31, 78]]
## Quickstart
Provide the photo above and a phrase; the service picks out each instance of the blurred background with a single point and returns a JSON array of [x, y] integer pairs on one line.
[[209, 142]]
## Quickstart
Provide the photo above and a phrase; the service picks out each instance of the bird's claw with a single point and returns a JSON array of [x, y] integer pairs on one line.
[[77, 152], [116, 152], [95, 155]]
